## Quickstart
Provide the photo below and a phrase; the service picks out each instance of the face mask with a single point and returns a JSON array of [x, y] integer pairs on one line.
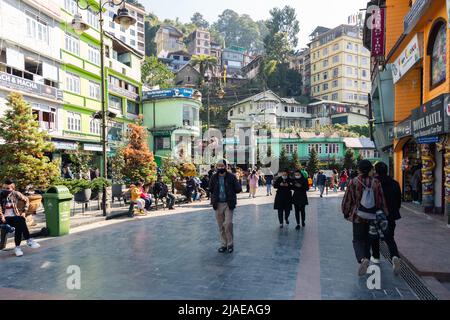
[[221, 171], [284, 177], [297, 177]]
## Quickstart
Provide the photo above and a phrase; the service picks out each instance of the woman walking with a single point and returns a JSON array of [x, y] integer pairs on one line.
[[361, 191], [283, 198], [300, 186], [253, 181], [343, 180]]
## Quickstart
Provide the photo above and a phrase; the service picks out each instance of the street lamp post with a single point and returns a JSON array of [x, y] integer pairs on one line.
[[125, 20]]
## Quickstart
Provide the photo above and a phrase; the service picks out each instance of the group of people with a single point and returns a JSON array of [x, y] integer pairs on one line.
[[91, 174], [335, 181]]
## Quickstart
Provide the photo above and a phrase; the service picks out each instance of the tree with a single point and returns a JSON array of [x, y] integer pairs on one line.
[[313, 163], [152, 25], [118, 165], [283, 160], [81, 162], [277, 47], [22, 157], [204, 62], [349, 159], [295, 161], [284, 21], [334, 164], [198, 20], [155, 73], [139, 161]]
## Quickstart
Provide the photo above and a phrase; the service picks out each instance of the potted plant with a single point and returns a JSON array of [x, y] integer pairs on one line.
[[23, 159], [97, 185]]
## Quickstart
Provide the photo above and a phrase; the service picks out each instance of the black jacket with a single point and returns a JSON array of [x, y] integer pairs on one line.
[[283, 198], [300, 197], [232, 187], [321, 180], [392, 196]]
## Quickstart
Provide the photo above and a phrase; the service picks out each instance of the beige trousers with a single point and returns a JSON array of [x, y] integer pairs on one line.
[[224, 218]]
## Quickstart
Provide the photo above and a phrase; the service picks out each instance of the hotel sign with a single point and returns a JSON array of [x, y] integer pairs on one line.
[[408, 58], [169, 93], [28, 86], [428, 120], [123, 92], [378, 33], [403, 129], [412, 18]]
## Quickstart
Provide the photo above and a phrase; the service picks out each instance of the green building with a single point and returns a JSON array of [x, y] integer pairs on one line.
[[172, 119]]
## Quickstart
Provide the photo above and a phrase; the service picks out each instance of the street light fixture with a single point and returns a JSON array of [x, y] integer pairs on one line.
[[125, 20]]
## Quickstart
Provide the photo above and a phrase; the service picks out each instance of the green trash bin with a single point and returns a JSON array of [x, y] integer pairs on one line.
[[57, 210]]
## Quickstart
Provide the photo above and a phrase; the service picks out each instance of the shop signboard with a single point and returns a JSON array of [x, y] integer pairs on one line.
[[408, 58], [378, 33], [447, 113], [94, 147], [169, 93], [428, 140], [428, 120], [60, 145], [403, 129], [412, 18]]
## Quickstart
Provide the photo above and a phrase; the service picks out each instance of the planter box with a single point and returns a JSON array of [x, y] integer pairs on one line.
[[83, 196]]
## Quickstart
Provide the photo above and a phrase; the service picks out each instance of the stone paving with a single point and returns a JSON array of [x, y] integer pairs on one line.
[[173, 255]]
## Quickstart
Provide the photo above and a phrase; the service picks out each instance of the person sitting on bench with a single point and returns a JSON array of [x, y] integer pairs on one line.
[[161, 191], [135, 198]]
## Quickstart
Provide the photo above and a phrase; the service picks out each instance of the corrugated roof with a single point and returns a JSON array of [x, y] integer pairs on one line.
[[359, 143]]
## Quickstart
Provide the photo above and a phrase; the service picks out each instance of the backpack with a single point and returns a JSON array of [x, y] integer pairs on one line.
[[367, 207]]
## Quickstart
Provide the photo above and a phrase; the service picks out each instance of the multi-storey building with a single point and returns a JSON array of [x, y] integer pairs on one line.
[[233, 60], [199, 42], [30, 62], [168, 39], [340, 65], [411, 95], [301, 62], [267, 108], [134, 36], [330, 112]]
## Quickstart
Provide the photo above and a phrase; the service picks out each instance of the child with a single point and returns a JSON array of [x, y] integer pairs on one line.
[[136, 193]]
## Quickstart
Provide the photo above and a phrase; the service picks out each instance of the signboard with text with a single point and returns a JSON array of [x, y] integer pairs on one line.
[[428, 120], [403, 129], [131, 95], [378, 33], [414, 15], [408, 58], [169, 93]]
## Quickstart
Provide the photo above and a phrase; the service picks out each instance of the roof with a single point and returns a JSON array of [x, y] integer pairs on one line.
[[186, 66], [172, 28], [326, 102], [112, 36], [359, 143], [180, 52], [319, 30], [256, 97], [290, 100]]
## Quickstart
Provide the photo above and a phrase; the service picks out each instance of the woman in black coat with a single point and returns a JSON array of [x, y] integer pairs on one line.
[[300, 199], [283, 198]]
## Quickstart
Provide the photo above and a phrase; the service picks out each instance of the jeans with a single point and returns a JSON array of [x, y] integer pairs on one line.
[[389, 240], [300, 209], [224, 217], [269, 188], [148, 204], [170, 198], [321, 189], [21, 228], [287, 213], [361, 243]]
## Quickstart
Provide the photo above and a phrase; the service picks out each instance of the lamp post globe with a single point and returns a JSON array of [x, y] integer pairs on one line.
[[78, 24], [124, 18], [117, 2]]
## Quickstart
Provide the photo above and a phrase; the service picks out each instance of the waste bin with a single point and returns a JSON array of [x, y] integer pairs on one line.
[[57, 210]]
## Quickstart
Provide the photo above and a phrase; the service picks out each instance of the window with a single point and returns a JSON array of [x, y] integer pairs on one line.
[[437, 50], [132, 32], [94, 90], [336, 47], [73, 121], [92, 19], [132, 88], [37, 28], [334, 96], [45, 115], [364, 61], [292, 109], [114, 81], [325, 76], [349, 71], [70, 6], [335, 83], [325, 63], [291, 148], [123, 39], [316, 146], [325, 51], [325, 86], [95, 126], [335, 72], [72, 82], [112, 25], [115, 131], [72, 44], [336, 59], [94, 55], [286, 109], [162, 143], [115, 103], [364, 85], [348, 96], [349, 83], [364, 73], [132, 107], [349, 58], [132, 42], [350, 46]]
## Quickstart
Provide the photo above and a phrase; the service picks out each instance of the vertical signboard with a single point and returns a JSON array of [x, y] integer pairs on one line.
[[378, 32]]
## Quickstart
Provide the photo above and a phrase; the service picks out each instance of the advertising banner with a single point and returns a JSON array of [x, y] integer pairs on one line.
[[408, 58]]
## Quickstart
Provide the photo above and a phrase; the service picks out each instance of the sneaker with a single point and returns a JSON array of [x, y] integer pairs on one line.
[[33, 244], [281, 226], [303, 224], [396, 266], [363, 267], [374, 260], [18, 252], [222, 249], [267, 194], [297, 227], [230, 249], [287, 221]]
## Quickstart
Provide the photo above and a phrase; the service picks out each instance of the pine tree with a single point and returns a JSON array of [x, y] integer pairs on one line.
[[349, 159], [295, 162], [313, 164], [139, 161], [22, 155], [283, 160]]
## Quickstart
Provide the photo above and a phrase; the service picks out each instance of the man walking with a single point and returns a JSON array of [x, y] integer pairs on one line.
[[321, 181], [223, 187]]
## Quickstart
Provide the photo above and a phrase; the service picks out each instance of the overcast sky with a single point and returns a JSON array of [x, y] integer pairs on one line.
[[310, 13]]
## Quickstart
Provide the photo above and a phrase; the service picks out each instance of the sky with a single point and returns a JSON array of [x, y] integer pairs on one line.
[[310, 13]]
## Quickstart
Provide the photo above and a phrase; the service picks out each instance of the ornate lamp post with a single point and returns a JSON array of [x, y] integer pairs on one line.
[[125, 20]]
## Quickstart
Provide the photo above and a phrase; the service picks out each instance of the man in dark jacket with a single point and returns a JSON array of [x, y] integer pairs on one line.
[[283, 197], [393, 197], [300, 199], [321, 182], [223, 188]]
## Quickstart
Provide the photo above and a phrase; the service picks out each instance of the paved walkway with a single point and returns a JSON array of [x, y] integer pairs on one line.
[[173, 255]]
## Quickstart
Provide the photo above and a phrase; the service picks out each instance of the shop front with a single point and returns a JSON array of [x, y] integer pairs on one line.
[[430, 130]]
